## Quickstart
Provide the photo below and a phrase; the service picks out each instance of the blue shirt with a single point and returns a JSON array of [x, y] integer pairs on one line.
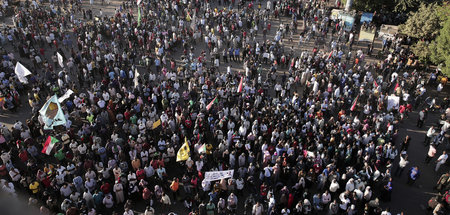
[[78, 181], [389, 186], [212, 196], [414, 174], [123, 74], [69, 105], [111, 75], [98, 198]]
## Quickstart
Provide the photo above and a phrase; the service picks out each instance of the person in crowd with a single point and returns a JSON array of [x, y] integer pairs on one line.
[[180, 89]]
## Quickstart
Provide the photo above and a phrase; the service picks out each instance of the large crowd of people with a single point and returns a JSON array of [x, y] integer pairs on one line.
[[307, 127]]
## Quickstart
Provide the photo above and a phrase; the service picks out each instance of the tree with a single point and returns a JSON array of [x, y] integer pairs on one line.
[[370, 5], [403, 6], [440, 48], [423, 24], [406, 5], [421, 50]]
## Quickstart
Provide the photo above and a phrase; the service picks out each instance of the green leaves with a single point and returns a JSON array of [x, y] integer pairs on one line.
[[431, 25], [423, 24], [406, 5], [421, 50], [440, 48]]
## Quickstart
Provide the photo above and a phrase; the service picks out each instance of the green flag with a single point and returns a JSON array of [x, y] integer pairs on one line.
[[139, 16]]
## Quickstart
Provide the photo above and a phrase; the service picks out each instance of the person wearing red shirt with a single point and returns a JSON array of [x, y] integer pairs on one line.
[[127, 114], [140, 174], [194, 182], [263, 190], [55, 43], [46, 182], [161, 162], [23, 155], [188, 123], [154, 164], [88, 164], [105, 188], [146, 194], [3, 170], [200, 175]]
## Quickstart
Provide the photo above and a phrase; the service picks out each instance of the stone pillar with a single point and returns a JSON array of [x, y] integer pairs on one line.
[[348, 5]]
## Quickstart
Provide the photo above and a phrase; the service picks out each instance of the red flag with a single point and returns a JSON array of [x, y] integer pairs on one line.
[[354, 104], [49, 144], [240, 85], [211, 103], [329, 56], [375, 82], [396, 86]]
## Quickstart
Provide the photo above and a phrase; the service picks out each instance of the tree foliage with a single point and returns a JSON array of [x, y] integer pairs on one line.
[[422, 24], [440, 48], [421, 50], [371, 5], [406, 5]]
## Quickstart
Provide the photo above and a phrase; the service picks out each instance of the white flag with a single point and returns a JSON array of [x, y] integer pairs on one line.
[[21, 71], [136, 77], [60, 59], [65, 96]]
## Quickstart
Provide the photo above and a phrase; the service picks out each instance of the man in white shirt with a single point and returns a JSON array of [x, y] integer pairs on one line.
[[278, 89], [429, 135], [65, 190], [441, 160], [421, 118], [101, 103], [257, 209], [14, 174]]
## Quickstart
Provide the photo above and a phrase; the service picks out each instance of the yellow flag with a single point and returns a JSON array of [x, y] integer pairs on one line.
[[188, 17], [183, 152], [156, 124]]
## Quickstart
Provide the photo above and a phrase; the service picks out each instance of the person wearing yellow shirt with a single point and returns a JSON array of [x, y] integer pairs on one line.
[[209, 149], [34, 187], [174, 187]]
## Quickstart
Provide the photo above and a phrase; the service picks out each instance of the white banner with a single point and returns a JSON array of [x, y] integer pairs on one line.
[[21, 71], [393, 102], [60, 59], [65, 96], [217, 175]]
